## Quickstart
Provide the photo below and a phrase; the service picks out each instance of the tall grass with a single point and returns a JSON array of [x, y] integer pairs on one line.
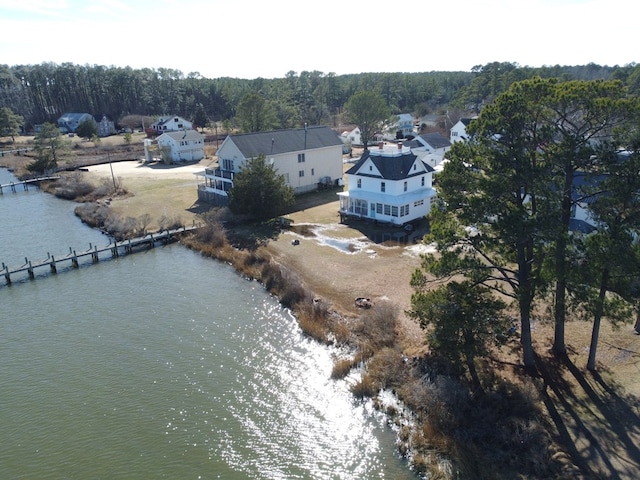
[[495, 433]]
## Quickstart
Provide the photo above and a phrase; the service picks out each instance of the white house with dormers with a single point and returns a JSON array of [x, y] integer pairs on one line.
[[388, 184], [458, 132], [182, 146], [171, 124], [308, 158]]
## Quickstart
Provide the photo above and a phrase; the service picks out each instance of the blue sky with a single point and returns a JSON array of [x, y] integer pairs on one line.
[[257, 38]]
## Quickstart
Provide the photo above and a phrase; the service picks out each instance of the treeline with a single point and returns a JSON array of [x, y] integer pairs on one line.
[[41, 93]]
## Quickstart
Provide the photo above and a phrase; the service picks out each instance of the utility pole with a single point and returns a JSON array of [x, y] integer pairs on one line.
[[115, 188]]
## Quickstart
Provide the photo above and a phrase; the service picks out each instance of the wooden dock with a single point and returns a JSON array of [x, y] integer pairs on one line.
[[25, 184], [114, 249]]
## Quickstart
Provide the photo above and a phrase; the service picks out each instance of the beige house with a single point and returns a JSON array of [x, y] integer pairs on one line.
[[308, 158]]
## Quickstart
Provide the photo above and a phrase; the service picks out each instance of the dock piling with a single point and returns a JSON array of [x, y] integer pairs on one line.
[[129, 246]]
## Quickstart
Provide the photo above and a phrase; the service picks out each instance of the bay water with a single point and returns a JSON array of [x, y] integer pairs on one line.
[[163, 364]]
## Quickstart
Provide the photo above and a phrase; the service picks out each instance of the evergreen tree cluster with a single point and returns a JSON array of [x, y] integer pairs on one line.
[[539, 151], [41, 93]]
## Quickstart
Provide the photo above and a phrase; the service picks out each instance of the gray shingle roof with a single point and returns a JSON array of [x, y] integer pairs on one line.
[[184, 134], [284, 141], [390, 167], [436, 140]]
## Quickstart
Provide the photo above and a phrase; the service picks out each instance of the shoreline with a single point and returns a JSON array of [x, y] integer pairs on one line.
[[366, 269]]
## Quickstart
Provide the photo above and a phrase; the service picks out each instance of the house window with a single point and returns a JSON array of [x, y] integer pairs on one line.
[[383, 186], [414, 166], [405, 186], [417, 203], [227, 164], [313, 172], [387, 209], [379, 208], [370, 168], [423, 181], [359, 183], [394, 211], [301, 173], [301, 158], [404, 210]]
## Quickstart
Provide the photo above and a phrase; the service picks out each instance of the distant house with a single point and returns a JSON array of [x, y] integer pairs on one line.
[[351, 137], [171, 124], [401, 128], [430, 148], [68, 123], [458, 132], [404, 125], [388, 184], [354, 137], [184, 146], [105, 127], [433, 142], [308, 158]]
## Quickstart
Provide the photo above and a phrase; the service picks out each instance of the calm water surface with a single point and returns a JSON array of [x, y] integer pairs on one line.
[[163, 364]]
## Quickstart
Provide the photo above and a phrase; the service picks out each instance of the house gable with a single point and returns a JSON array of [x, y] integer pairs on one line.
[[459, 131]]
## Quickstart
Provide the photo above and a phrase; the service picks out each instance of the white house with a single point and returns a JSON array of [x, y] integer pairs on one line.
[[171, 124], [308, 158], [458, 132], [351, 137], [388, 184], [184, 146]]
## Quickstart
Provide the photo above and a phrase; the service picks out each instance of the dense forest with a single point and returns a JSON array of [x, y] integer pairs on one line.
[[41, 93]]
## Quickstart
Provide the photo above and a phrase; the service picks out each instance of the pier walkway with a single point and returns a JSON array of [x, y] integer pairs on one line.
[[25, 184], [113, 249]]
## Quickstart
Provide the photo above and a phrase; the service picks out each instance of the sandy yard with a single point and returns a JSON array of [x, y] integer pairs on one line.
[[159, 190]]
